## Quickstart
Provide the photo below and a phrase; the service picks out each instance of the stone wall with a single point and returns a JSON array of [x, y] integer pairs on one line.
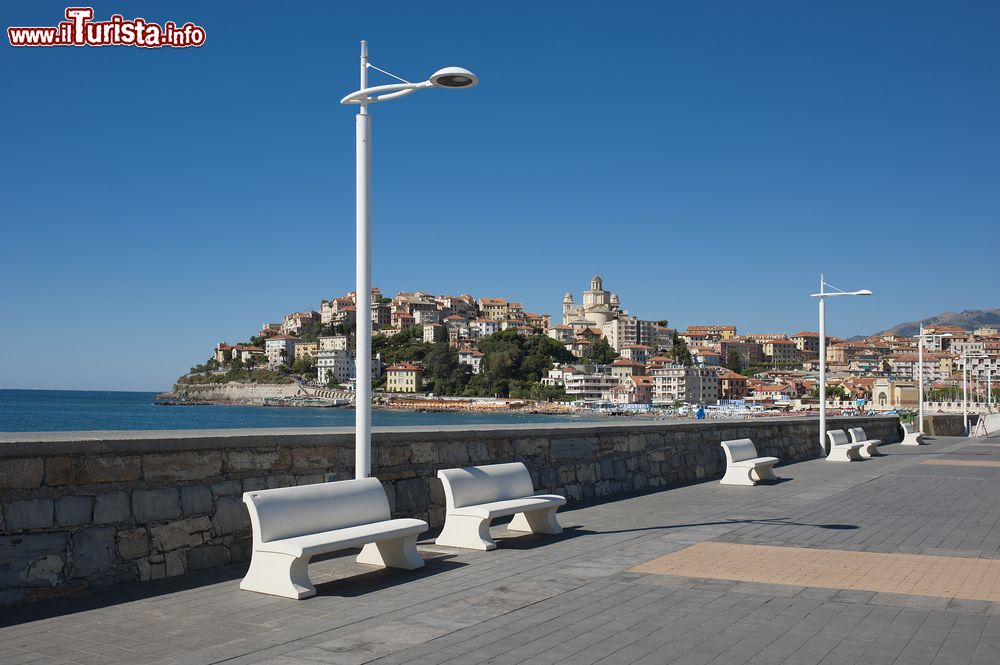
[[947, 425], [86, 509]]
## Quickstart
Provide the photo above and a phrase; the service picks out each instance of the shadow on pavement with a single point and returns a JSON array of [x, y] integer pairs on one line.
[[384, 578]]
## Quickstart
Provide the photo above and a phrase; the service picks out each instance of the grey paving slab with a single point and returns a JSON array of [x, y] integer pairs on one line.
[[546, 600]]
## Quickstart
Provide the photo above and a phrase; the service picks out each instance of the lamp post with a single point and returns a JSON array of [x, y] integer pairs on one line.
[[920, 363], [449, 77], [823, 295]]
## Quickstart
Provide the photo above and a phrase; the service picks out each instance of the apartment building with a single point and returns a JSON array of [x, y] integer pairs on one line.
[[334, 343], [627, 330], [280, 350], [677, 383], [779, 351], [732, 385], [306, 350], [497, 309], [806, 342], [588, 386]]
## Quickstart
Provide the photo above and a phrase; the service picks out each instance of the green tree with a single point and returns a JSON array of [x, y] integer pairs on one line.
[[679, 352], [305, 366], [601, 352], [831, 392], [733, 361], [443, 374], [404, 346]]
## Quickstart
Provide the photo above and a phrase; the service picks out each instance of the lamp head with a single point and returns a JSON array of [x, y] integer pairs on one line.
[[862, 292], [453, 77]]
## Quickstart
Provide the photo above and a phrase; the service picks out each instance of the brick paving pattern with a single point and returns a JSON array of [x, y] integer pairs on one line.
[[915, 574], [573, 599]]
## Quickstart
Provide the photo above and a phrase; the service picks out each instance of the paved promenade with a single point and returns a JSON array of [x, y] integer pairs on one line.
[[891, 560]]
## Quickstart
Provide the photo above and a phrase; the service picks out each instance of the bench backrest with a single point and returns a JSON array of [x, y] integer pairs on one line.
[[857, 434], [837, 437], [287, 512], [474, 485], [738, 450], [908, 428]]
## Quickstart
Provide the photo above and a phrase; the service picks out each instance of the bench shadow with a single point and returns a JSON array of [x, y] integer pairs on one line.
[[359, 584], [776, 481], [531, 540]]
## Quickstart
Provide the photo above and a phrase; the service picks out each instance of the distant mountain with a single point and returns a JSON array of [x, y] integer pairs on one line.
[[969, 319]]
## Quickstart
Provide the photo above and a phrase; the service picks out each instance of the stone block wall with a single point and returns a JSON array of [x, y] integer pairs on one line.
[[947, 424], [83, 510]]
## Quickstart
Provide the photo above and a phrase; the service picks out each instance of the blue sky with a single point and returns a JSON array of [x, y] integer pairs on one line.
[[708, 158]]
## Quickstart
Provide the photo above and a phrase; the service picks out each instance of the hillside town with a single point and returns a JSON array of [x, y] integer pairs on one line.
[[599, 355]]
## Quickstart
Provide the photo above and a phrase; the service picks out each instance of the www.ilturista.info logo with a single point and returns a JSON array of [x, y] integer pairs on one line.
[[81, 30]]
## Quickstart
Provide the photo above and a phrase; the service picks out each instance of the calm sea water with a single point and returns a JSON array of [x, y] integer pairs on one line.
[[76, 410]]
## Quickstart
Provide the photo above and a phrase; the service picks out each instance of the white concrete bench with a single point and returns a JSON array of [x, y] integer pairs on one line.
[[476, 495], [911, 436], [743, 466], [841, 449], [291, 525], [870, 447]]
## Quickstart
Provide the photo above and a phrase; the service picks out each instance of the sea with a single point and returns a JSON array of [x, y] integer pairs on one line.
[[81, 410]]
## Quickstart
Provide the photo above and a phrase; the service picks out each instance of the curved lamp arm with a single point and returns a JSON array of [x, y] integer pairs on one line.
[[392, 91]]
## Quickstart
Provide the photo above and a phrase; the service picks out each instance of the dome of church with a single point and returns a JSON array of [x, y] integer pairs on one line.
[[599, 315]]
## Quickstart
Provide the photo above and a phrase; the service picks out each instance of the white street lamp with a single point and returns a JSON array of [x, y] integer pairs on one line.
[[920, 362], [823, 295], [449, 77]]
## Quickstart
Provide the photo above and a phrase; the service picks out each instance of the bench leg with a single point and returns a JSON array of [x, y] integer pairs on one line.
[[737, 475], [865, 452], [763, 473], [911, 440], [466, 531], [394, 553], [842, 454], [278, 575], [536, 521]]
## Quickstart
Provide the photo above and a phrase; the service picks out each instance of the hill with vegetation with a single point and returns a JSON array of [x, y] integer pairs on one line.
[[969, 319]]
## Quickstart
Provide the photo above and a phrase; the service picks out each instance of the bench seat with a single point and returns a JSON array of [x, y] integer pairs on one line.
[[506, 507], [325, 542], [743, 467], [476, 495], [911, 436], [291, 525], [841, 449], [869, 447]]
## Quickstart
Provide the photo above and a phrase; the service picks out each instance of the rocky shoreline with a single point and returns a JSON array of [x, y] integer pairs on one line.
[[294, 395]]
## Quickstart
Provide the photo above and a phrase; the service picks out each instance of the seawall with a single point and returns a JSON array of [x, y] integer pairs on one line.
[[86, 509]]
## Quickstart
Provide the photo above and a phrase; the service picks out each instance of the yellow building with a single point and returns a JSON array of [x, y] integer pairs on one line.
[[893, 394], [404, 378], [306, 350]]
